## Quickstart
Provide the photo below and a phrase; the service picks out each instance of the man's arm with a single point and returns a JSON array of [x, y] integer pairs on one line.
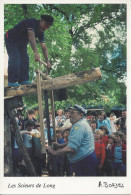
[[32, 42], [56, 145], [62, 151], [45, 53]]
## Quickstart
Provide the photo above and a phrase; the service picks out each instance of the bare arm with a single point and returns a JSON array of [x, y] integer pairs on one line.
[[62, 151], [56, 145], [24, 132], [32, 42], [45, 53]]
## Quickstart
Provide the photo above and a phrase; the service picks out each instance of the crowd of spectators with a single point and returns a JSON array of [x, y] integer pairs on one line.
[[109, 141]]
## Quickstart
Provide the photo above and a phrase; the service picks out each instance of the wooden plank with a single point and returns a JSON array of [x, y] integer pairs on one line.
[[53, 113], [41, 116], [56, 83]]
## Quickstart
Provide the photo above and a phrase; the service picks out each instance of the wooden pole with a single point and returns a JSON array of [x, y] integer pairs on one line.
[[41, 115], [53, 113]]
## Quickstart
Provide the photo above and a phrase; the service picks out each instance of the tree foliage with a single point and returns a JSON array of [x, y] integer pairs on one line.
[[83, 36]]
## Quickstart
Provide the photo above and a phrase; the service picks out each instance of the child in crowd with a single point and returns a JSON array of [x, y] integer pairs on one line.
[[99, 150], [67, 167], [30, 116], [58, 161], [93, 126], [60, 118], [105, 134], [33, 145], [66, 134], [119, 155], [107, 168]]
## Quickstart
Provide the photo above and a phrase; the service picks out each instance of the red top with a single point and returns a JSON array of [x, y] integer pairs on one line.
[[105, 139], [100, 151]]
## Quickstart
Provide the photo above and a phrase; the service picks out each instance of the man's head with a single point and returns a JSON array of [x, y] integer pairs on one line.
[[102, 115], [94, 125], [31, 114], [123, 114], [93, 115], [60, 112], [76, 113], [98, 134], [119, 135], [104, 129], [67, 114], [66, 133], [46, 22], [29, 124], [58, 134]]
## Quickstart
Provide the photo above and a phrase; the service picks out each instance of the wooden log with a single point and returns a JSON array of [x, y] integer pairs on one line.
[[22, 148], [8, 162], [56, 83]]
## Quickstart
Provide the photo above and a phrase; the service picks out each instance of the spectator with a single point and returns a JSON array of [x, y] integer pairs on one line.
[[92, 117], [121, 122], [112, 121], [60, 118], [31, 116], [103, 120], [66, 134], [100, 151], [31, 144], [67, 166], [107, 169], [119, 155], [67, 114], [94, 126], [58, 161], [80, 146], [105, 134]]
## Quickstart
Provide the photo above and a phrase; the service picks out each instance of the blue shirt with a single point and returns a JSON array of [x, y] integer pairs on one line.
[[61, 141], [105, 122], [118, 154], [20, 31], [81, 139]]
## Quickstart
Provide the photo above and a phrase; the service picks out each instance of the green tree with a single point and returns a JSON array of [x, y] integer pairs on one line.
[[83, 36]]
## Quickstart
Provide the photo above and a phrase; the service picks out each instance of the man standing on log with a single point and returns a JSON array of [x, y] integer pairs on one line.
[[80, 146], [16, 40]]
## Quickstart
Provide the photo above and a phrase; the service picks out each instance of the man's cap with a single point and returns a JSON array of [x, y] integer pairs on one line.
[[29, 122], [78, 108]]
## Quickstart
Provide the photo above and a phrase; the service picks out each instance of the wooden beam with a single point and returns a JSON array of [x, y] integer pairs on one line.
[[56, 83], [41, 115]]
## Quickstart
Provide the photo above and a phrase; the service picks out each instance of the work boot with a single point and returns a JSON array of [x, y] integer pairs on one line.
[[25, 82], [13, 84]]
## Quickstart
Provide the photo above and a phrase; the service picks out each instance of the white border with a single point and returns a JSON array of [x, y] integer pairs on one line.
[[83, 185]]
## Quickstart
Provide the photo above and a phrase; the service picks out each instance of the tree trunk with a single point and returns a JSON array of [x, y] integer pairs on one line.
[[22, 148], [55, 83], [8, 163]]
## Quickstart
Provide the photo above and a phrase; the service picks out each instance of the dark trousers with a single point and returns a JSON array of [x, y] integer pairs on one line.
[[18, 63], [86, 166]]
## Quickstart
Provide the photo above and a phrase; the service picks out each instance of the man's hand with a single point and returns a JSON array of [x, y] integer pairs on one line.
[[56, 145], [48, 65], [50, 150], [37, 57]]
